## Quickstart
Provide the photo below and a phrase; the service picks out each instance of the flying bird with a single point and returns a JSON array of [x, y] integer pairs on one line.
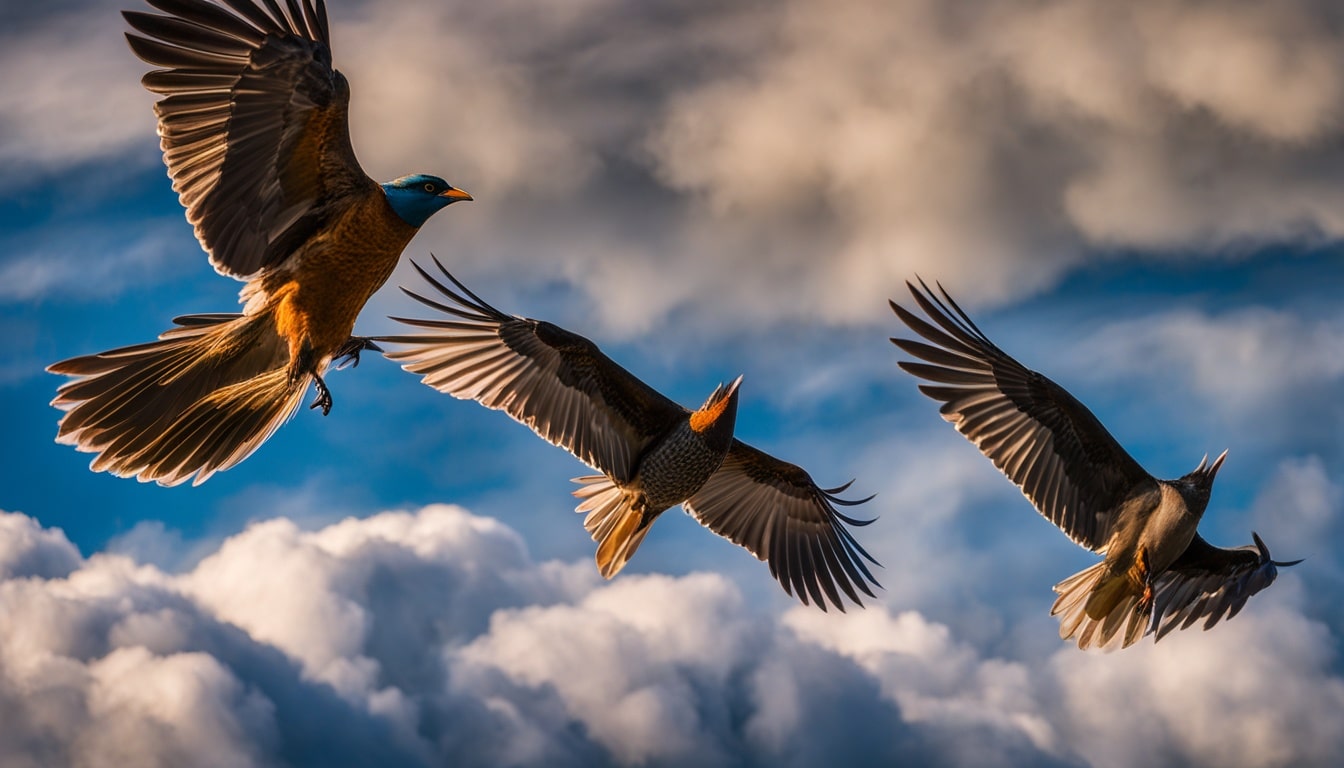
[[254, 129], [1158, 573], [652, 453]]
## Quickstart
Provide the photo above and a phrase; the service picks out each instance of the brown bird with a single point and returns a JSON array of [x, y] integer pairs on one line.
[[254, 128], [1158, 573], [653, 454]]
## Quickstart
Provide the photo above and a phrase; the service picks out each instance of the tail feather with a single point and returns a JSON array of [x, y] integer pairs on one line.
[[1116, 606], [198, 400], [616, 526]]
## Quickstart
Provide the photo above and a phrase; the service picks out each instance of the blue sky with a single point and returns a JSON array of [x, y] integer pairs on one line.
[[1144, 204]]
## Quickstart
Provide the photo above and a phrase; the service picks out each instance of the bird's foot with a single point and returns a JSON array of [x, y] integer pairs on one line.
[[348, 353], [323, 400]]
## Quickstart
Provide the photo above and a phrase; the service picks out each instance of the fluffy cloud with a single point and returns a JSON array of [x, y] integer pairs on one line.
[[1239, 360], [71, 93], [999, 145], [411, 638], [826, 149]]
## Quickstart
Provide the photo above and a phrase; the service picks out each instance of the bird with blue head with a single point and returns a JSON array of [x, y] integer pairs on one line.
[[254, 128]]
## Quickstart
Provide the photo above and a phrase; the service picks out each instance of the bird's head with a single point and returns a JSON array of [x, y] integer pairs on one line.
[[1200, 480], [417, 197], [718, 416]]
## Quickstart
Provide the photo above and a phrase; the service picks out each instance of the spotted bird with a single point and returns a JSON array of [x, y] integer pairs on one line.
[[255, 133], [1158, 574], [653, 454]]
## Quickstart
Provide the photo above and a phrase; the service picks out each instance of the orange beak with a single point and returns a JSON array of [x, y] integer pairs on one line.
[[455, 194]]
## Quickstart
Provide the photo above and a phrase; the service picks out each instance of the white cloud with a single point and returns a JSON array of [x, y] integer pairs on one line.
[[1238, 362], [994, 147], [820, 152], [1302, 500], [1252, 693], [71, 94], [407, 638]]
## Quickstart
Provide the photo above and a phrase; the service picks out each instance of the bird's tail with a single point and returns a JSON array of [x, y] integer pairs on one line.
[[616, 526], [199, 400], [1095, 604]]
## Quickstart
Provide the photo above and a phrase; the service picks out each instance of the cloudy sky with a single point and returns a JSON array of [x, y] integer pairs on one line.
[[1143, 200]]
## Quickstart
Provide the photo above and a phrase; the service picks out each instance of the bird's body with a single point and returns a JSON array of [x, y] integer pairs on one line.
[[1157, 573], [318, 293], [678, 461], [254, 128], [652, 453]]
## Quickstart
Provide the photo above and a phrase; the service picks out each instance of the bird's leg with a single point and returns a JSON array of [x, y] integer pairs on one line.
[[305, 363], [1145, 574], [348, 353]]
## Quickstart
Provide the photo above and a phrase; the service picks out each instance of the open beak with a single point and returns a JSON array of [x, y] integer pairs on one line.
[[455, 194], [1218, 462]]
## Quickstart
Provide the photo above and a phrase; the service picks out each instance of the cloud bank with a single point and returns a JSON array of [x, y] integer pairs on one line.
[[414, 638], [824, 150]]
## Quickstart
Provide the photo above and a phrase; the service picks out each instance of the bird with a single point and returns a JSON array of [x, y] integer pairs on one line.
[[1158, 574], [254, 129], [651, 452]]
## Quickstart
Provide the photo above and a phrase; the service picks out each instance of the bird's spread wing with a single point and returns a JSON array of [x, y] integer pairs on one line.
[[556, 382], [1036, 433], [252, 122], [1210, 583], [774, 510]]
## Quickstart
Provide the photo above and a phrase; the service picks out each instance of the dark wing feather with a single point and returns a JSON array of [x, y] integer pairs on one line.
[[1209, 583], [253, 124], [1035, 432], [775, 510], [557, 383]]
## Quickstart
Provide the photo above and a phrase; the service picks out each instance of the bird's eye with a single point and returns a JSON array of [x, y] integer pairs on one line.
[[429, 187]]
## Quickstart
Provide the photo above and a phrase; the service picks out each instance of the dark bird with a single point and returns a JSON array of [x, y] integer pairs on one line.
[[1158, 573], [653, 454], [255, 133]]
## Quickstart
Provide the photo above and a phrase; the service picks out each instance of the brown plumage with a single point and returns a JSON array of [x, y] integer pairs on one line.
[[653, 454], [1158, 574], [254, 130]]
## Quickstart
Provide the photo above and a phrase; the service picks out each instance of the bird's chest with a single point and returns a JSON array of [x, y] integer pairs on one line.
[[675, 468], [335, 273], [1170, 529]]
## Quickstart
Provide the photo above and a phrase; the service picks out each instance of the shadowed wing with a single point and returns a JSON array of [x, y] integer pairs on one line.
[[1210, 583], [556, 382], [1045, 441], [253, 123], [775, 510]]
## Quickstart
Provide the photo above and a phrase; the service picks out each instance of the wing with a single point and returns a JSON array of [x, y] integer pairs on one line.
[[1208, 582], [774, 510], [556, 382], [252, 123], [1045, 441]]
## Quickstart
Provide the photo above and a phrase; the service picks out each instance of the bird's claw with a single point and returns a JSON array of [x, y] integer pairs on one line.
[[348, 353], [323, 400]]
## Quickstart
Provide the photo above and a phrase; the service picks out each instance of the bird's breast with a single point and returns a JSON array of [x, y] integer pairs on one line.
[[336, 271], [1169, 529], [673, 469]]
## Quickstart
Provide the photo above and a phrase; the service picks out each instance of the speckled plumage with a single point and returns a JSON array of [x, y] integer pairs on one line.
[[653, 453], [1158, 574], [254, 130], [681, 461]]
